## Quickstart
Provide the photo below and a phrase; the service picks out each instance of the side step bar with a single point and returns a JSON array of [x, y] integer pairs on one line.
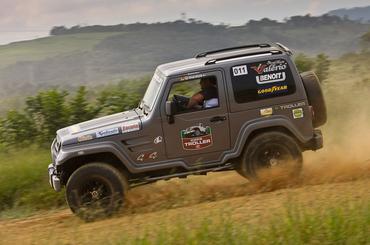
[[148, 180]]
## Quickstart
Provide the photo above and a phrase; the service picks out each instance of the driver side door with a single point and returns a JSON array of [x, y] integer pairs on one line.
[[198, 135]]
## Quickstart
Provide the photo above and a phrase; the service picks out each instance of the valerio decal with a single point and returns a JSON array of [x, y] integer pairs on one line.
[[270, 71], [196, 137]]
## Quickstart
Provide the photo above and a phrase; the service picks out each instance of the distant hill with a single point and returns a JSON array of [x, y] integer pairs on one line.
[[359, 13], [96, 55]]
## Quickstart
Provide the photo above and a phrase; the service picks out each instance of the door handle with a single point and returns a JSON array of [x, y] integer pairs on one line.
[[218, 119]]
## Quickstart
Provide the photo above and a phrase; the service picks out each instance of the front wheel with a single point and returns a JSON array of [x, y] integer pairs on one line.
[[269, 154], [96, 190]]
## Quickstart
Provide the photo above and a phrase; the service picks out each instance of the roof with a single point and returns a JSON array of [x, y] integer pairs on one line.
[[213, 57]]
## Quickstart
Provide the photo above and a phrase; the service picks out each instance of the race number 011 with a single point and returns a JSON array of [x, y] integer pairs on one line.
[[240, 70]]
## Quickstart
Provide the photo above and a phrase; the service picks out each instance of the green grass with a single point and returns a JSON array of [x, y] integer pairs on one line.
[[347, 223], [24, 181], [43, 48]]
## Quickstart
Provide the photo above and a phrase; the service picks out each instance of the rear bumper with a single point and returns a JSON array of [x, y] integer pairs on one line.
[[54, 180], [317, 141]]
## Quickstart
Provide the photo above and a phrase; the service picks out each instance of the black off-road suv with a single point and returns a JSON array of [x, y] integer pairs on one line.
[[255, 112]]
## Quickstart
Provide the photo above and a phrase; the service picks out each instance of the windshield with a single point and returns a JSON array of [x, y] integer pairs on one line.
[[152, 90]]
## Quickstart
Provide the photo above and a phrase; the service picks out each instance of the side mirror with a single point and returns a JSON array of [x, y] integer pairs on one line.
[[170, 111]]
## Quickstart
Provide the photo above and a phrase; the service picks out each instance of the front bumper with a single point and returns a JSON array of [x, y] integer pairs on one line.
[[54, 180]]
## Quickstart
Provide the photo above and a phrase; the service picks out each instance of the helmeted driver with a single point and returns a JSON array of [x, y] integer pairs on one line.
[[207, 97]]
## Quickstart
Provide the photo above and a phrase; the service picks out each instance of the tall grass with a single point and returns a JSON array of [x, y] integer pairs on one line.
[[24, 180], [341, 224]]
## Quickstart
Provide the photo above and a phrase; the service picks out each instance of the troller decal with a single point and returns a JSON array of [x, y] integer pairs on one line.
[[196, 137]]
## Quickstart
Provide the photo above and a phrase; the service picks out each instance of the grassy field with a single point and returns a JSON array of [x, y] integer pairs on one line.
[[43, 48], [23, 182], [334, 213]]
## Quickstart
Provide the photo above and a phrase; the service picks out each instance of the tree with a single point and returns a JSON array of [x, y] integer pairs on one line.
[[48, 111], [16, 128], [322, 67], [58, 30], [304, 63], [79, 108], [114, 100]]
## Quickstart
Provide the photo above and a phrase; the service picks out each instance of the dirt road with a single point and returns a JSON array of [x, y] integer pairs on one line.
[[195, 199]]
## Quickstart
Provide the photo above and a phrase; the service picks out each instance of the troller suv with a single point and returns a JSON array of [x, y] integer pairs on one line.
[[264, 115]]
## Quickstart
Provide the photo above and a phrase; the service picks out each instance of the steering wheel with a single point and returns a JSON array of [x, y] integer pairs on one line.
[[180, 101]]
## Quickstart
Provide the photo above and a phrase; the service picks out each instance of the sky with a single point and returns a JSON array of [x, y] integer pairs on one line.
[[21, 20]]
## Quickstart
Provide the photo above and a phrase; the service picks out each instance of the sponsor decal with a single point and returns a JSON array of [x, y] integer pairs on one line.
[[240, 70], [107, 132], [270, 66], [130, 127], [297, 113], [291, 106], [272, 90], [84, 138], [271, 78], [140, 157], [260, 68], [270, 71], [196, 137], [153, 155], [192, 76], [266, 112], [145, 156], [158, 140]]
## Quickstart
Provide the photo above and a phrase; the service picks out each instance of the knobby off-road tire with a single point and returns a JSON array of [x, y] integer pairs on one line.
[[96, 190], [268, 152], [315, 97]]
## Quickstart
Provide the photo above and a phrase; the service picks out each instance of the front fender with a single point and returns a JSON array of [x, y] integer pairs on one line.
[[73, 151]]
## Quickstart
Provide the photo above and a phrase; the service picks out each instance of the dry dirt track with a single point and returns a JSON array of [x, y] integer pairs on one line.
[[191, 201]]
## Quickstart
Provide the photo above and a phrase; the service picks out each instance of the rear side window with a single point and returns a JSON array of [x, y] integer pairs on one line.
[[262, 80]]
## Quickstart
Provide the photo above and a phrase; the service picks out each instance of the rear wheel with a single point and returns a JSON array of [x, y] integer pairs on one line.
[[96, 190], [271, 154]]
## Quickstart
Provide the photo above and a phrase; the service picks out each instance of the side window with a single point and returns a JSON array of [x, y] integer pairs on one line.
[[262, 80], [194, 94]]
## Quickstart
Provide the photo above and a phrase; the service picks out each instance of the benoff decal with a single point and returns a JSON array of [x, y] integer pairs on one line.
[[85, 138], [266, 112], [271, 78], [158, 140], [131, 127], [272, 90], [297, 113], [107, 132], [196, 137]]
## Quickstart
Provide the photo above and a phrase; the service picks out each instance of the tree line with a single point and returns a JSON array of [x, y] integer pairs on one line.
[[191, 23], [53, 109]]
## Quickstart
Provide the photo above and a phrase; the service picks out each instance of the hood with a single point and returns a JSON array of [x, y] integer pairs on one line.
[[122, 122]]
